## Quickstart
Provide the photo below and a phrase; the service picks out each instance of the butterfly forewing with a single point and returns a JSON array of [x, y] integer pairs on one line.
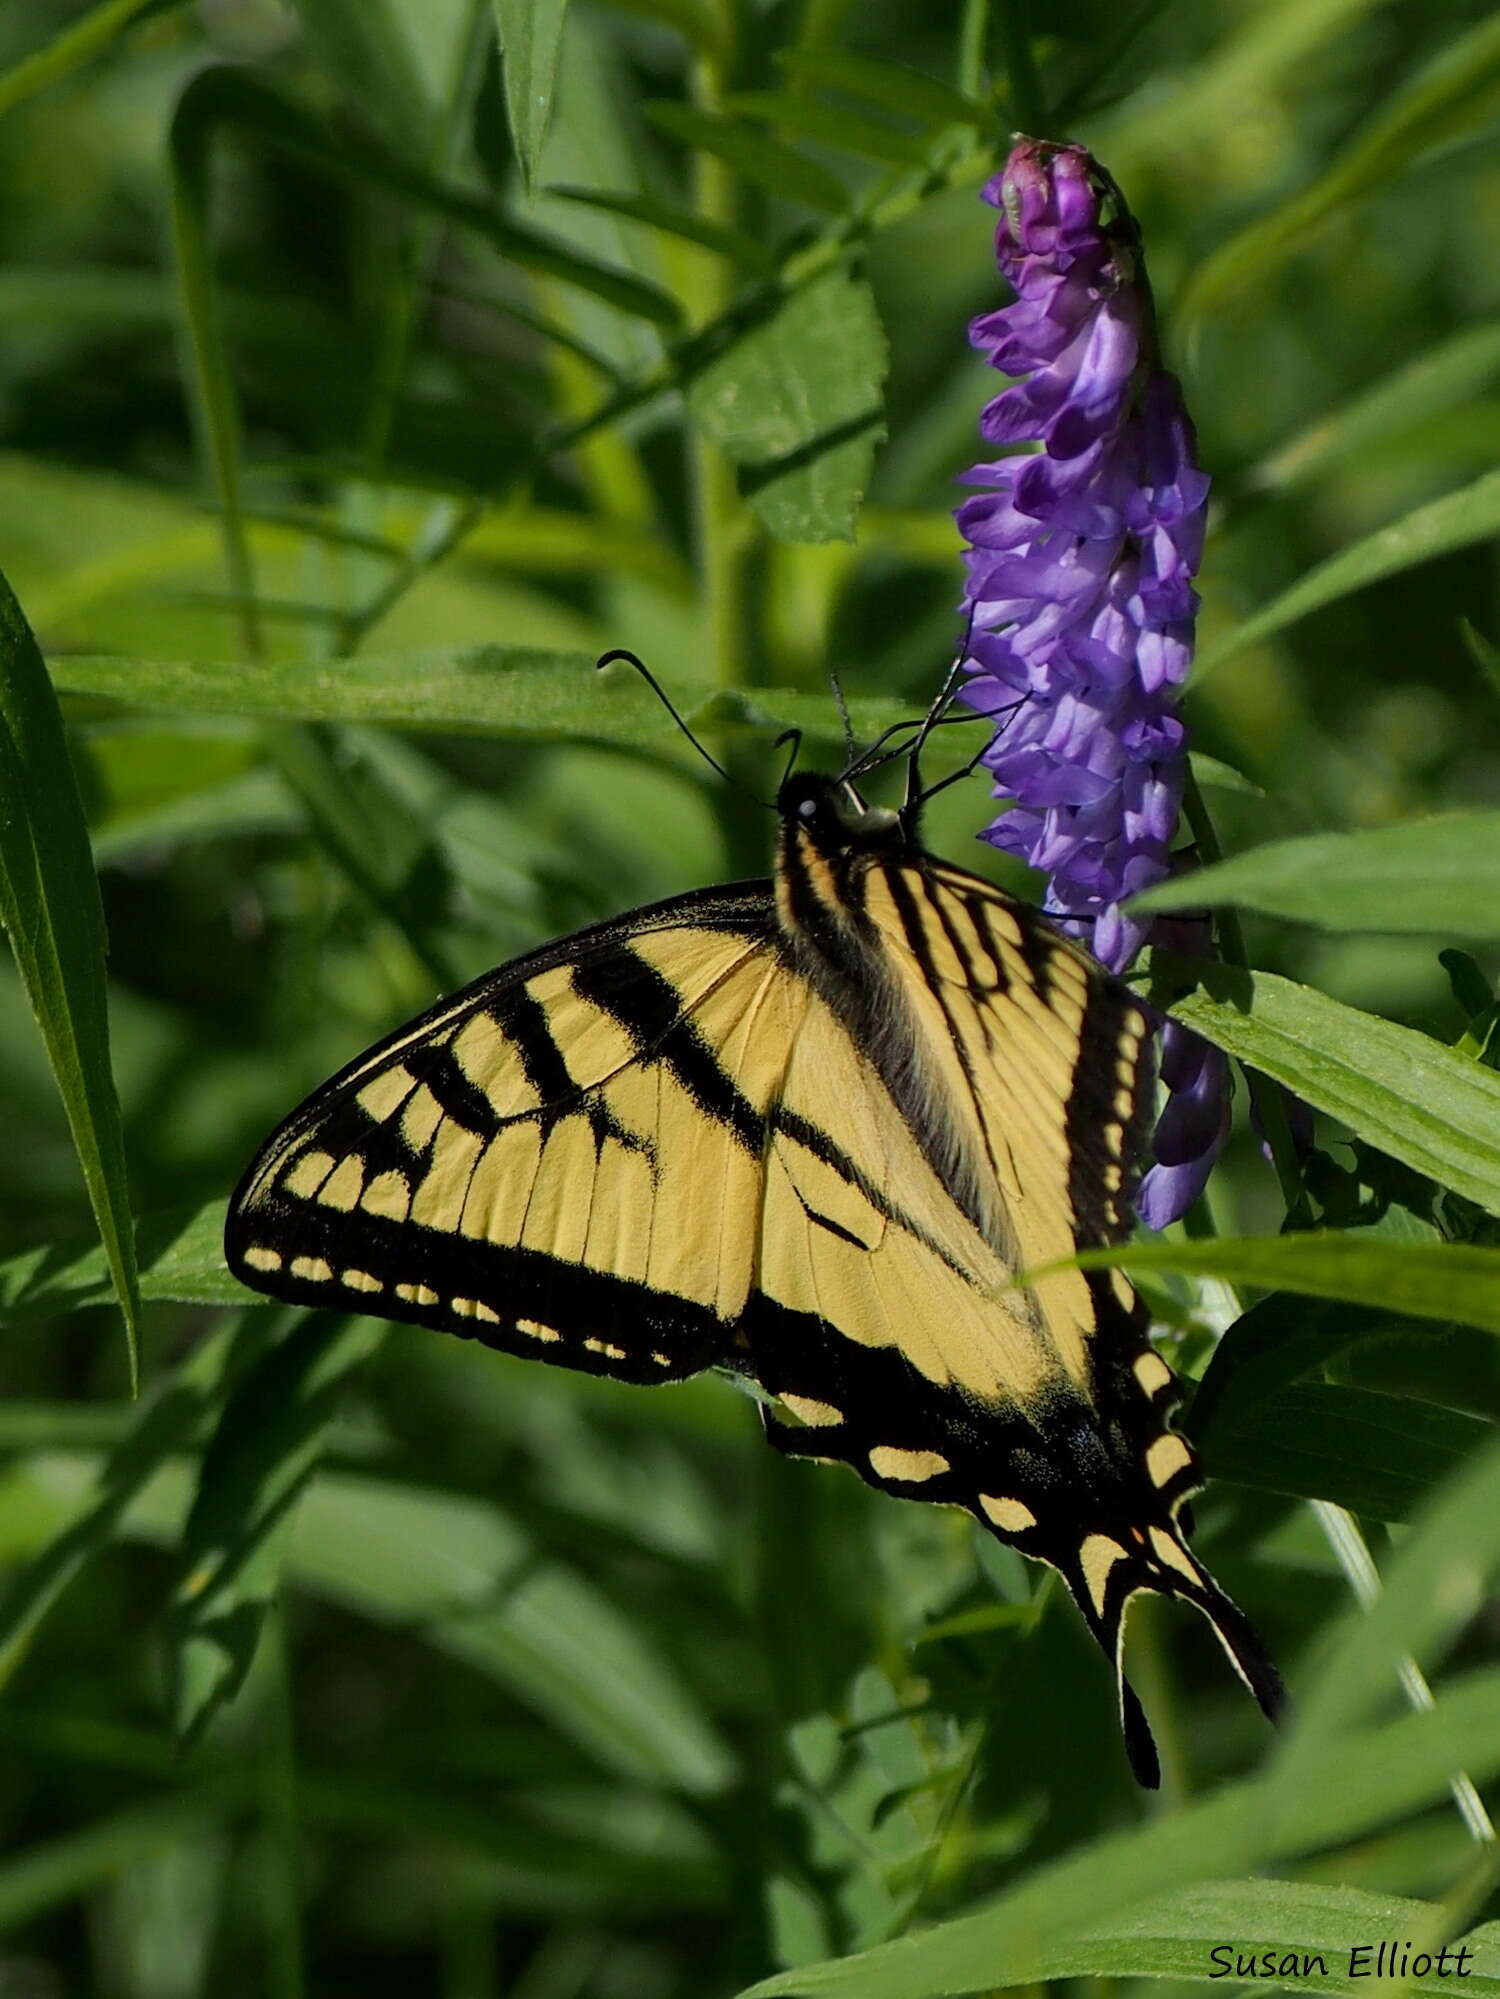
[[564, 1160]]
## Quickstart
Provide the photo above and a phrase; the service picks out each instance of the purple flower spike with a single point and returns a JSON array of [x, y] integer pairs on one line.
[[1083, 544]]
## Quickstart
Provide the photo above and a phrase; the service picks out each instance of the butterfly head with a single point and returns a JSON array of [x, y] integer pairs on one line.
[[830, 815]]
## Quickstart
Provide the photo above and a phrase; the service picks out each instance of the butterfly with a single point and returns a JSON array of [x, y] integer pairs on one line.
[[809, 1129]]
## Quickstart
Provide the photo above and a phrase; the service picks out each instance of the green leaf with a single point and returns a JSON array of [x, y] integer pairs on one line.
[[1434, 874], [795, 401], [1426, 1105], [180, 1257], [164, 1425], [1380, 1456], [233, 98], [734, 244], [263, 1451], [50, 908], [464, 1574], [1457, 520], [1334, 1792], [530, 38], [1431, 1588], [60, 1870], [763, 161], [845, 132], [1216, 776], [1447, 375], [909, 93], [1451, 1281], [1177, 1935], [1451, 96], [521, 693], [254, 802], [1279, 1339], [77, 44]]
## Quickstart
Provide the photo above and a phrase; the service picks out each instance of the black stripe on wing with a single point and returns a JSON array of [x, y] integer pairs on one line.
[[1108, 1113], [520, 1300], [649, 1007]]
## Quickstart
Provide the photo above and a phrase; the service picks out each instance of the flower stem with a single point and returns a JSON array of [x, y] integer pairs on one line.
[[1267, 1098], [718, 527], [973, 38], [1028, 110], [1341, 1531]]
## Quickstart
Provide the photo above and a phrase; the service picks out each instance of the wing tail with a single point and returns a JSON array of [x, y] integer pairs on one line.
[[1106, 1575]]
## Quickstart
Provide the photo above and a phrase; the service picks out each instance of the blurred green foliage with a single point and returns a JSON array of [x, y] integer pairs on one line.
[[358, 386]]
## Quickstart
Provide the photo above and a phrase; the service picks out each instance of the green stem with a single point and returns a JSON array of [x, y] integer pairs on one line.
[[282, 1884], [1028, 108], [418, 246], [973, 39], [1266, 1096], [1341, 1531], [718, 529]]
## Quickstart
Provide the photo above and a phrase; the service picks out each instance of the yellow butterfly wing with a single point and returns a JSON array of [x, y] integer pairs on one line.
[[983, 1121], [564, 1160]]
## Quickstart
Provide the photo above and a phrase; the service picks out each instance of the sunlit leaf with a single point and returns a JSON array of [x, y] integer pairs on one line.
[[1447, 1281], [522, 693], [1332, 1793], [1426, 1105], [1427, 875]]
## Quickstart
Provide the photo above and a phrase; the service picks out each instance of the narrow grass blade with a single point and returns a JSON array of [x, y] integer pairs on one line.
[[50, 908], [1457, 520], [163, 1426], [1444, 1281], [518, 693], [90, 35], [1453, 95]]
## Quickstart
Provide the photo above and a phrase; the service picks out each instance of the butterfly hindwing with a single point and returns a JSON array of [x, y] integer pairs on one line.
[[563, 1160]]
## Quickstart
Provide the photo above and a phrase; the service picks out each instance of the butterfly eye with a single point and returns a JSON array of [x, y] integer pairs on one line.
[[808, 809]]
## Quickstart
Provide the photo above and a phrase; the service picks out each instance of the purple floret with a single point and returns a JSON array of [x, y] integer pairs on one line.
[[1082, 551]]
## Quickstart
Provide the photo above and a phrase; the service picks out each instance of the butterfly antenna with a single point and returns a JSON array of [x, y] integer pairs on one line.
[[930, 720], [631, 659], [794, 737]]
